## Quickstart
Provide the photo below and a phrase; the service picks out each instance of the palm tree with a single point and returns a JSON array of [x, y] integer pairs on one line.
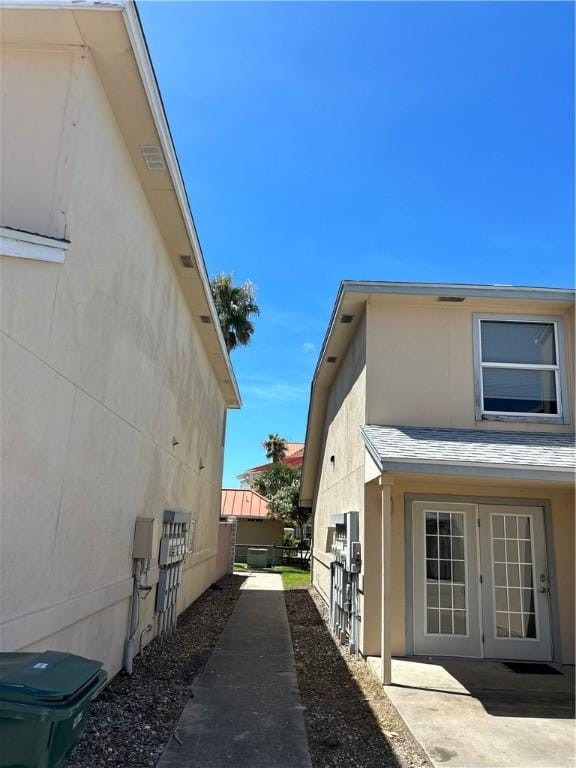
[[275, 447], [235, 305]]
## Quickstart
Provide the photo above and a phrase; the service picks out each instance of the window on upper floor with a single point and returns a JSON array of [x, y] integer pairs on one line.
[[518, 368]]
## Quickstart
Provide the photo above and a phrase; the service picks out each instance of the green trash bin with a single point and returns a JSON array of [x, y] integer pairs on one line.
[[44, 700]]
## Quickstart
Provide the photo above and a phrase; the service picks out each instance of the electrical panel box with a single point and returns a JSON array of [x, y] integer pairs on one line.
[[173, 544], [145, 539], [346, 545], [172, 549]]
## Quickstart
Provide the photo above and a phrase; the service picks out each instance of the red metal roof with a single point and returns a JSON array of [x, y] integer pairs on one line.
[[294, 458], [237, 502], [293, 449]]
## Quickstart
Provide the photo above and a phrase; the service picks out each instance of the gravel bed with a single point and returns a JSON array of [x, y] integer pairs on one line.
[[133, 718], [350, 721]]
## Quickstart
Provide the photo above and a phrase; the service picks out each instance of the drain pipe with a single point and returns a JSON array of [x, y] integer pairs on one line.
[[145, 631], [134, 618]]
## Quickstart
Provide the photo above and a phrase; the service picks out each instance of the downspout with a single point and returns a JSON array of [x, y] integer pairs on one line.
[[134, 617]]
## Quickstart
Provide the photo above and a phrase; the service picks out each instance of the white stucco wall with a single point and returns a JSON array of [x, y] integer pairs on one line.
[[421, 362], [101, 367], [340, 485]]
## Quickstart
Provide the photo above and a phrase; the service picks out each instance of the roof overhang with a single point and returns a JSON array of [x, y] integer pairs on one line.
[[468, 469], [351, 301], [495, 469], [113, 34]]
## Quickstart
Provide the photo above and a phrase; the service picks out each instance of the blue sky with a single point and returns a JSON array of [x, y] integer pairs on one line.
[[393, 141]]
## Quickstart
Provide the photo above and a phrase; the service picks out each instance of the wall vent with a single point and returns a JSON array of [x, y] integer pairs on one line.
[[454, 299], [153, 157], [331, 359], [346, 319], [205, 319], [186, 261]]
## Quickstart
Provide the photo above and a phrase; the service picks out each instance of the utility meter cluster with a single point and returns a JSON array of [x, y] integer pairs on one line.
[[345, 567]]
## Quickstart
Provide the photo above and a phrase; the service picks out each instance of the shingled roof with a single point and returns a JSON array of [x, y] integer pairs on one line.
[[471, 451]]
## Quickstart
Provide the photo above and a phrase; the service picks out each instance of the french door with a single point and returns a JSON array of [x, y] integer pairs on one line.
[[480, 583]]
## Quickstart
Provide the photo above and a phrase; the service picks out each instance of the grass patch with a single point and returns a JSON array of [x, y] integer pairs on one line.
[[293, 577], [240, 567]]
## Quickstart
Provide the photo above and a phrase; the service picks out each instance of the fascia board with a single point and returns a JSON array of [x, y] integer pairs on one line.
[[459, 290], [68, 5]]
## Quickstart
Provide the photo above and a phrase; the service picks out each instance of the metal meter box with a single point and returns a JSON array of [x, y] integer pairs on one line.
[[344, 569], [173, 550], [145, 538], [345, 547]]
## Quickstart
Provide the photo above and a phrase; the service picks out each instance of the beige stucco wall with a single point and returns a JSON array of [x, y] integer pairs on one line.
[[101, 367], [260, 532], [38, 132], [340, 485], [561, 502], [223, 559], [420, 362]]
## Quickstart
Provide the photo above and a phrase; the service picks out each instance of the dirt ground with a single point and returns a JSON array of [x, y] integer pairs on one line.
[[350, 721]]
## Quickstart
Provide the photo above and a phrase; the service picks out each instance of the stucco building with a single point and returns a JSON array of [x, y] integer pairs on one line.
[[293, 457], [254, 525], [444, 416], [115, 375]]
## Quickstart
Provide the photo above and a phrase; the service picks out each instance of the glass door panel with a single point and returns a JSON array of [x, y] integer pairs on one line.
[[445, 572], [515, 595]]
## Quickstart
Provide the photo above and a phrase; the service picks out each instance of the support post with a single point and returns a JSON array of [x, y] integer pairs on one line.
[[386, 592]]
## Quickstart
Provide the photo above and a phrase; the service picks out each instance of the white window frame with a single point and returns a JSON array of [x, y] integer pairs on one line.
[[559, 370], [466, 579], [27, 245]]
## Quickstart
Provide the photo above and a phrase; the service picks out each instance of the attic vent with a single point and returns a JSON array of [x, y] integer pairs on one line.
[[153, 157], [346, 318], [186, 261], [205, 319], [455, 299], [331, 359]]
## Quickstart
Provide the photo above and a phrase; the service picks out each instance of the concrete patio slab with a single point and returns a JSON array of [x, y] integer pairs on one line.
[[480, 714], [246, 709]]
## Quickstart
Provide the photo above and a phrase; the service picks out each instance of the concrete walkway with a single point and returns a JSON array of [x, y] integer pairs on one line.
[[246, 709], [480, 714]]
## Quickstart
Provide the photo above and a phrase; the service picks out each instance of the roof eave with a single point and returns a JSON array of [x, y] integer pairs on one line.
[[469, 469], [459, 290], [148, 75]]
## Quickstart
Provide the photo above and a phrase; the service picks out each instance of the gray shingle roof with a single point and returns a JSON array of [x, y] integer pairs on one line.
[[470, 447]]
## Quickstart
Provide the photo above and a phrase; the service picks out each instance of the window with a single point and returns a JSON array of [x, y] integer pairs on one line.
[[513, 564], [445, 574], [518, 368]]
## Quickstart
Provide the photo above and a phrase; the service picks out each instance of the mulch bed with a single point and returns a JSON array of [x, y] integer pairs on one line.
[[350, 721], [133, 718]]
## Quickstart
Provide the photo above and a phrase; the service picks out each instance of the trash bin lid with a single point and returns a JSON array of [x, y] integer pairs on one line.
[[35, 678]]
